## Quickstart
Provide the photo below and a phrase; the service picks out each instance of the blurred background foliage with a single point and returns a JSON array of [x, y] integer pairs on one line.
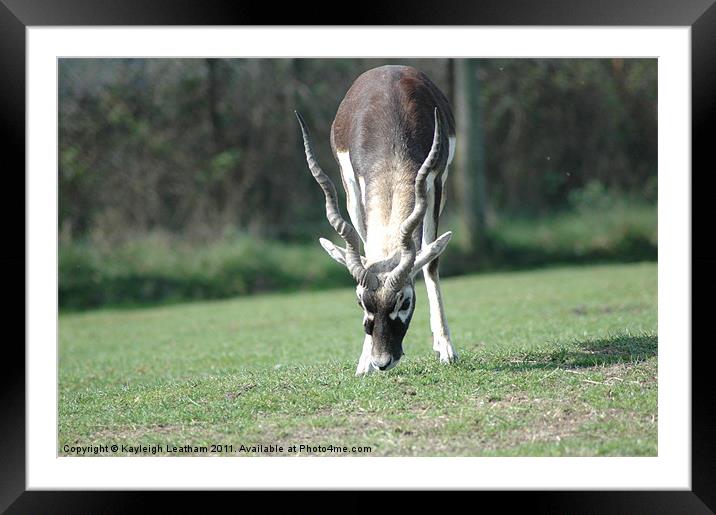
[[185, 178]]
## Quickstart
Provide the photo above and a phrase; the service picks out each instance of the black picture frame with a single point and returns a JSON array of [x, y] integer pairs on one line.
[[17, 15]]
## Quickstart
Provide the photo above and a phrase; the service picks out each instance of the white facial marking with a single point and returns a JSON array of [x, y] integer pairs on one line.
[[364, 362], [405, 294], [353, 192]]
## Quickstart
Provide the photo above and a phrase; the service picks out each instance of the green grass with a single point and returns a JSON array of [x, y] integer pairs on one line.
[[159, 268], [559, 362], [626, 231]]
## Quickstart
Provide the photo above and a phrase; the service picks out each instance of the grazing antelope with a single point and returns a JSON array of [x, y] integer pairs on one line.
[[393, 138]]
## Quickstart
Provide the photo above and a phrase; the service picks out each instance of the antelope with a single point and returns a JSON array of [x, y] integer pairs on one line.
[[393, 138]]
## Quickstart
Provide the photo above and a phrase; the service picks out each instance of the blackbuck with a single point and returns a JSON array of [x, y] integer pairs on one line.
[[393, 138]]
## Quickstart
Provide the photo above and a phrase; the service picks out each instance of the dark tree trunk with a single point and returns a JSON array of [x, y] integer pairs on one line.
[[469, 154], [214, 93]]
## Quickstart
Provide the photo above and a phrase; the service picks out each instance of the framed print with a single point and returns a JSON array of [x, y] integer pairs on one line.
[[184, 331]]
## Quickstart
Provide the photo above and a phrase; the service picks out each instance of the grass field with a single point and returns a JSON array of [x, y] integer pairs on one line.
[[161, 268], [557, 362]]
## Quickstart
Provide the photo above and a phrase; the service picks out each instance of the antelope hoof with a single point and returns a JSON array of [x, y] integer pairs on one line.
[[444, 350]]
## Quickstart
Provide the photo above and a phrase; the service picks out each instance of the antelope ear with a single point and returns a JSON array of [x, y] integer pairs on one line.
[[430, 252], [337, 253]]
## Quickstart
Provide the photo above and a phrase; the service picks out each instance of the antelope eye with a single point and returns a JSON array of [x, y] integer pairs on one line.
[[368, 325], [406, 305]]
